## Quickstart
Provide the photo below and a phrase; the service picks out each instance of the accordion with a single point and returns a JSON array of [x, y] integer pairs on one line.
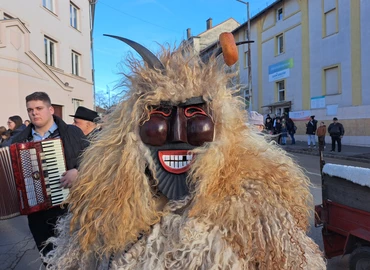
[[30, 177]]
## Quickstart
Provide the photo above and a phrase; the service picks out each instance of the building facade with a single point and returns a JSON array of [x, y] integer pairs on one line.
[[45, 45], [310, 58]]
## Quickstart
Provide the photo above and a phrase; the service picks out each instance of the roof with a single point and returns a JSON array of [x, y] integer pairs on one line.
[[257, 15], [278, 104], [217, 25]]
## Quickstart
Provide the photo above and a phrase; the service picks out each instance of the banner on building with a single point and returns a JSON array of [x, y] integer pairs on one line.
[[318, 102], [300, 115], [280, 70]]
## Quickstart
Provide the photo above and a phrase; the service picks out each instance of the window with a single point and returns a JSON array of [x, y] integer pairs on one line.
[[280, 43], [281, 90], [7, 17], [330, 18], [279, 14], [49, 51], [246, 95], [77, 103], [76, 63], [48, 4], [73, 10], [332, 81]]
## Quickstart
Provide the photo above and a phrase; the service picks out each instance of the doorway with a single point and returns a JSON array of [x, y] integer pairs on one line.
[[58, 110]]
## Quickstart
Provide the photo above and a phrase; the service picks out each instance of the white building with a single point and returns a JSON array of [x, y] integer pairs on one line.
[[210, 36], [311, 57], [45, 45]]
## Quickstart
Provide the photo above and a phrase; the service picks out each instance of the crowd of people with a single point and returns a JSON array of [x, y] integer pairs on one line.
[[280, 127], [335, 130]]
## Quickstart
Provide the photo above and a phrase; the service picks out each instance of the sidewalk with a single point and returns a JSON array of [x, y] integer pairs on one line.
[[349, 152], [17, 247]]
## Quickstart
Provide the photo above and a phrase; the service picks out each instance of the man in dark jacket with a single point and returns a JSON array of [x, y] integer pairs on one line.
[[311, 127], [44, 125], [86, 120], [336, 131]]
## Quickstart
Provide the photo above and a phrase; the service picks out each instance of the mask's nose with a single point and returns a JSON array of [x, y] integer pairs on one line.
[[178, 127]]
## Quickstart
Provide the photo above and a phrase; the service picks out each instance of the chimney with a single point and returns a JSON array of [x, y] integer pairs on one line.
[[188, 31], [209, 23]]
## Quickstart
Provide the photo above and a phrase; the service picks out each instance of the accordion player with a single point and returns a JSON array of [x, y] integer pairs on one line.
[[37, 169]]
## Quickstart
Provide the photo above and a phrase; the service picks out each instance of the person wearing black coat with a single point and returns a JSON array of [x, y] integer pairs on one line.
[[311, 127], [336, 131], [291, 129], [44, 125]]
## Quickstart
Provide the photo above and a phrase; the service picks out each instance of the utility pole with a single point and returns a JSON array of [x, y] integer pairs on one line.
[[248, 37]]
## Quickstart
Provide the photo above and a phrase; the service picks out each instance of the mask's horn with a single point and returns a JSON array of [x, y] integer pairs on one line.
[[152, 61]]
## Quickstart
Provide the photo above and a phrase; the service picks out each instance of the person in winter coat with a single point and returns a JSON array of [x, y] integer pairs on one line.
[[336, 131], [268, 119], [268, 125], [45, 125], [15, 126], [311, 127], [321, 132], [291, 129], [86, 120]]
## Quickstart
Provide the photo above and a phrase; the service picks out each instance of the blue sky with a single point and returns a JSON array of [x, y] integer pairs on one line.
[[150, 22]]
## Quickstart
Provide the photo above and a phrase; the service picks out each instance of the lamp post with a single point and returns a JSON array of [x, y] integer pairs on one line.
[[108, 92], [249, 57]]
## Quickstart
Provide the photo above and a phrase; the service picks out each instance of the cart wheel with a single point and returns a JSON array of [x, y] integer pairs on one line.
[[360, 259]]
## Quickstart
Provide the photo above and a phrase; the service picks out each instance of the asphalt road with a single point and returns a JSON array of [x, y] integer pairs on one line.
[[18, 252]]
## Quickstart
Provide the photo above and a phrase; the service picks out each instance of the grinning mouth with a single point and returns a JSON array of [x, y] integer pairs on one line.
[[175, 161]]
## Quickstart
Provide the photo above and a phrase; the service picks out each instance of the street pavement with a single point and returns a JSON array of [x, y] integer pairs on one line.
[[349, 152], [18, 250], [17, 247]]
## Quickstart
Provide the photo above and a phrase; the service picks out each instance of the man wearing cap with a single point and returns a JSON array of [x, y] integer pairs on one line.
[[336, 131], [86, 119]]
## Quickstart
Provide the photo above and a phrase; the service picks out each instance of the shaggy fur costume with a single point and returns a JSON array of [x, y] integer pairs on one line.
[[250, 203]]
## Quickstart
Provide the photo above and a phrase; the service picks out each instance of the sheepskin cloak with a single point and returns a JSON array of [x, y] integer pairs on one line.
[[179, 242]]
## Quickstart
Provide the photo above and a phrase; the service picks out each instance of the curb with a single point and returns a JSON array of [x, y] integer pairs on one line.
[[316, 153]]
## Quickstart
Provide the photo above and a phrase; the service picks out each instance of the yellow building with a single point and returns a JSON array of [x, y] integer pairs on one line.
[[45, 45], [311, 58]]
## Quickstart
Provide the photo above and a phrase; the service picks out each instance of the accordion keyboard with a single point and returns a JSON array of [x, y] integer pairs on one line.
[[53, 167]]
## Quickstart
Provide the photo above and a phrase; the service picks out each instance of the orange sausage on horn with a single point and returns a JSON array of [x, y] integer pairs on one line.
[[229, 49]]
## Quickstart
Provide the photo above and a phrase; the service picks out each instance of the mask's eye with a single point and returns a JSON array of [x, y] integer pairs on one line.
[[165, 111], [193, 110]]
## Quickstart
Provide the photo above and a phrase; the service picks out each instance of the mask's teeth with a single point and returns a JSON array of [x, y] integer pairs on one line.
[[177, 161]]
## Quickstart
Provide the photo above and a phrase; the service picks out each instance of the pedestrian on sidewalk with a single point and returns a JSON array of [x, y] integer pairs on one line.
[[336, 131], [291, 129], [277, 130], [321, 132], [311, 127]]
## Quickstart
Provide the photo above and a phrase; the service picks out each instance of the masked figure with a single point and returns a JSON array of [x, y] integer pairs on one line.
[[176, 180]]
